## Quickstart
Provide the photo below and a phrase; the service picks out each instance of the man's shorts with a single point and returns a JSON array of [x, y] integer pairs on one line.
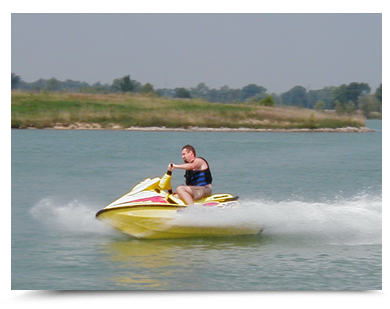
[[200, 192]]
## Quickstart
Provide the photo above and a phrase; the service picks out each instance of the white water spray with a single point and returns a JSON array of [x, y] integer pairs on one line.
[[341, 221], [352, 221], [70, 217]]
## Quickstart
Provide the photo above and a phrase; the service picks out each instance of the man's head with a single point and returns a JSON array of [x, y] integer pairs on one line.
[[188, 153]]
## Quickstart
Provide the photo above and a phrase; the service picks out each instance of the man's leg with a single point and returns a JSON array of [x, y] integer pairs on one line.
[[186, 194]]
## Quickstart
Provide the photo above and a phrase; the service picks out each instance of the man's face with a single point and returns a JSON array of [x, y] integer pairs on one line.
[[187, 156]]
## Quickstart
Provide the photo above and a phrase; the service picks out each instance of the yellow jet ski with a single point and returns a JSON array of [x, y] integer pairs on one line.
[[151, 211]]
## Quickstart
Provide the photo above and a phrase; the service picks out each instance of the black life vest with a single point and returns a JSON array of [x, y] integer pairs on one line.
[[199, 178]]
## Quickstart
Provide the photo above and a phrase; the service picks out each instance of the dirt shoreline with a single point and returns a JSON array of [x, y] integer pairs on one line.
[[96, 126]]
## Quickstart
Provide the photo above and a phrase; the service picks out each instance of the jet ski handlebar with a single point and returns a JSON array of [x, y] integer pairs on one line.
[[165, 182]]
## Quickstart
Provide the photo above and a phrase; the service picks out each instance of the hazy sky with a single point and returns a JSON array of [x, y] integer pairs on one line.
[[276, 51]]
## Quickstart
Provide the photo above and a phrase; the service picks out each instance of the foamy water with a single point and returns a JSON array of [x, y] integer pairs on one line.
[[354, 221], [73, 217]]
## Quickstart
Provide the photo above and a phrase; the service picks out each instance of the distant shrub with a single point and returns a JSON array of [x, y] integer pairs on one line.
[[268, 101]]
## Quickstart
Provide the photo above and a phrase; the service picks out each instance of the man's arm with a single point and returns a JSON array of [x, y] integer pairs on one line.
[[196, 165]]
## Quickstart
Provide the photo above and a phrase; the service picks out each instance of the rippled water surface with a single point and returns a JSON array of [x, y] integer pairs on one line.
[[318, 196]]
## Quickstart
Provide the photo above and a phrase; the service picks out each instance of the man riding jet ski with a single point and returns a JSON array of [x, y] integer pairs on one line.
[[150, 210], [198, 176]]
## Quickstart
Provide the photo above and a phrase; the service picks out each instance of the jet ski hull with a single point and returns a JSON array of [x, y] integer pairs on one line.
[[147, 212], [157, 222]]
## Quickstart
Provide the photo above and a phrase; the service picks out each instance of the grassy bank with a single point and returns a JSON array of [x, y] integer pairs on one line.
[[45, 110]]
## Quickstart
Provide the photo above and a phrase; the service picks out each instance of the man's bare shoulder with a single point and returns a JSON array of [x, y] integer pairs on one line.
[[200, 164]]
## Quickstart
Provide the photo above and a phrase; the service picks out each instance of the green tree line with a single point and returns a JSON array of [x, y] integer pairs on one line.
[[344, 99]]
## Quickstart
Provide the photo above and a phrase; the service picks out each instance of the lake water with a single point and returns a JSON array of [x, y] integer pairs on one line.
[[318, 195]]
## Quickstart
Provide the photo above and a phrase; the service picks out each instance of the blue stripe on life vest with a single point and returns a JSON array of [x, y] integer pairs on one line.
[[200, 179]]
